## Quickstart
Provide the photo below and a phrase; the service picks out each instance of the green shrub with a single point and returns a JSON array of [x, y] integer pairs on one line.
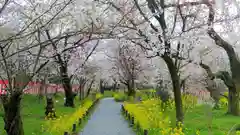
[[120, 97], [163, 94], [145, 94], [108, 94]]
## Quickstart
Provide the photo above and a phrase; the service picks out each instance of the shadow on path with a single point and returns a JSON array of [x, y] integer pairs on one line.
[[107, 120]]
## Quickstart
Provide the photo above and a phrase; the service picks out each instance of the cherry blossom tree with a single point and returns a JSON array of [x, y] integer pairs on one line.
[[36, 27], [128, 65], [18, 34], [161, 38], [86, 77], [18, 72], [167, 28], [233, 80]]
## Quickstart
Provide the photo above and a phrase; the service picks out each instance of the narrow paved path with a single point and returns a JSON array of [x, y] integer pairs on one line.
[[107, 120]]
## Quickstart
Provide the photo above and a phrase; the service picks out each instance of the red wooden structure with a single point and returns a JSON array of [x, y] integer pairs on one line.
[[33, 87]]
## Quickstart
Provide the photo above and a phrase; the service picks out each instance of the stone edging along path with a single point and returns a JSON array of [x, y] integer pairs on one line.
[[107, 120], [81, 121]]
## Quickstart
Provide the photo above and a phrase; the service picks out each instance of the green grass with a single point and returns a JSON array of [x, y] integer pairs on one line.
[[108, 94], [1, 121], [206, 120], [120, 97], [201, 118], [33, 113]]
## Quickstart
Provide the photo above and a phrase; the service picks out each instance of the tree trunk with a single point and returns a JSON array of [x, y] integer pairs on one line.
[[82, 83], [182, 85], [12, 117], [89, 88], [80, 91], [234, 101], [176, 87], [228, 81], [115, 87], [130, 88], [41, 90], [69, 102], [66, 82], [211, 85], [234, 66], [101, 87]]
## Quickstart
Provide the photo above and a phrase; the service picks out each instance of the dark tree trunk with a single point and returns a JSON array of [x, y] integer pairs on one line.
[[227, 79], [130, 88], [66, 82], [154, 7], [12, 116], [41, 90], [115, 86], [176, 87], [211, 85], [232, 103], [89, 88], [183, 84], [82, 83], [234, 66], [80, 91], [232, 92], [101, 87], [69, 102]]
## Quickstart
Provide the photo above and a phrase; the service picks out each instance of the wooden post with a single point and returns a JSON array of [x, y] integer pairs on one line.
[[129, 117], [132, 121], [65, 133], [74, 128], [138, 126], [145, 132], [79, 121]]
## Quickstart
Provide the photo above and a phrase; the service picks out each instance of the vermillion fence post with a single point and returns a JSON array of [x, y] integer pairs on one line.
[[145, 132], [65, 133], [74, 128]]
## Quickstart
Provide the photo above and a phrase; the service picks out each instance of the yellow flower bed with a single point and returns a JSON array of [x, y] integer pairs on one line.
[[189, 102], [153, 117], [152, 114], [223, 101], [64, 123], [98, 95]]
